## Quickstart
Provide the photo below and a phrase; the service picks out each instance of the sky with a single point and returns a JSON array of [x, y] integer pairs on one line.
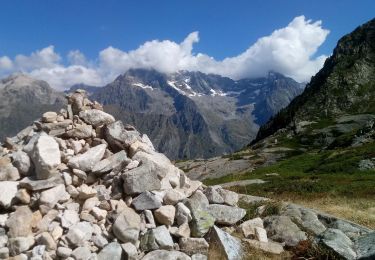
[[92, 42]]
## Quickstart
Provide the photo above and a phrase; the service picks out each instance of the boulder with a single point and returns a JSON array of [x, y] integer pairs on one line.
[[127, 226], [54, 195], [69, 218], [18, 245], [165, 215], [201, 223], [96, 117], [8, 193], [81, 253], [79, 233], [80, 131], [130, 251], [140, 179], [118, 137], [116, 160], [112, 251], [86, 161], [338, 242], [22, 162], [46, 157], [19, 223], [365, 246], [223, 244], [146, 200], [283, 229], [226, 215]]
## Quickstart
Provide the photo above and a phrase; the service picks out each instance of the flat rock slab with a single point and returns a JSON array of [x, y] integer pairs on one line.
[[146, 200], [339, 243], [32, 184], [226, 215]]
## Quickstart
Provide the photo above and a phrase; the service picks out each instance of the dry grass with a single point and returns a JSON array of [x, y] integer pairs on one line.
[[361, 211]]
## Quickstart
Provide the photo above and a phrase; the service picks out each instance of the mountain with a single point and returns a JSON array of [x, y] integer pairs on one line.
[[192, 114], [344, 86], [25, 98]]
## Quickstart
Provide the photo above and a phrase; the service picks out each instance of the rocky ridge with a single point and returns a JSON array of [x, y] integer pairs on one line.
[[80, 185]]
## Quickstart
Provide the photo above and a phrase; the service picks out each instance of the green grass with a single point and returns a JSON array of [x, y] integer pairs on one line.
[[330, 176]]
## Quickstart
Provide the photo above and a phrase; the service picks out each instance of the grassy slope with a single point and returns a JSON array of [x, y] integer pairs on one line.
[[327, 180]]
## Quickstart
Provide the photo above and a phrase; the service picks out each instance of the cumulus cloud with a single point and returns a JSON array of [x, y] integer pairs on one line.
[[289, 50]]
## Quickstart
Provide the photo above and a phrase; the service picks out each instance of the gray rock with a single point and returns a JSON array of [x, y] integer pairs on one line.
[[146, 200], [201, 223], [96, 117], [141, 179], [52, 196], [193, 246], [282, 229], [38, 251], [79, 233], [86, 161], [162, 237], [46, 239], [18, 245], [197, 202], [338, 242], [166, 255], [112, 251], [46, 157], [20, 222], [81, 253], [365, 246], [183, 214], [35, 185], [346, 227], [127, 226], [80, 132], [213, 195], [69, 218], [8, 193], [230, 197], [225, 245], [130, 251], [226, 215], [118, 137], [99, 241], [64, 252], [305, 218], [117, 160]]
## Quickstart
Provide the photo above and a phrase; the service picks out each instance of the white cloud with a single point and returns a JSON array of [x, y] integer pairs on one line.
[[289, 50]]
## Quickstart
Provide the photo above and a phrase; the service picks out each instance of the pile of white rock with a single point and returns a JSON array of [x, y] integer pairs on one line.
[[80, 185]]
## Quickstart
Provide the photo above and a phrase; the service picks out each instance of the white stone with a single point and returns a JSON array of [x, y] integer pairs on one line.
[[261, 234], [86, 161], [46, 156], [8, 193], [52, 196]]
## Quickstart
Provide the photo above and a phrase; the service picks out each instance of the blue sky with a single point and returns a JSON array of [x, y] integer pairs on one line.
[[226, 28]]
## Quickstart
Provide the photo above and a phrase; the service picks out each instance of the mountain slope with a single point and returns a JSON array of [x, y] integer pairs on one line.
[[25, 98], [186, 111], [345, 85]]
